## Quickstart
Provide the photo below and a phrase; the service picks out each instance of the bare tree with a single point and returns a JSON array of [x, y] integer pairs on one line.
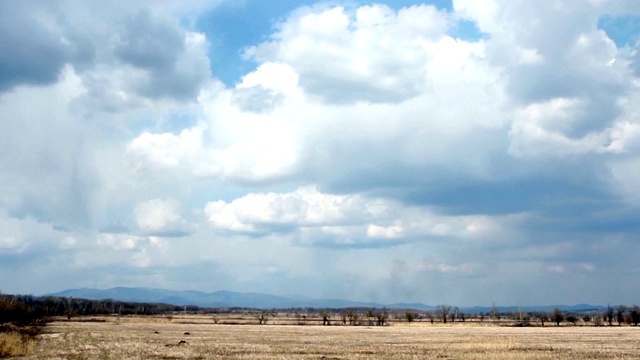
[[495, 313], [443, 311], [634, 315], [542, 316], [620, 314], [344, 316], [410, 315], [454, 315], [557, 316], [597, 319], [353, 317], [430, 316], [262, 316], [572, 318], [326, 315], [382, 317], [609, 315], [370, 315]]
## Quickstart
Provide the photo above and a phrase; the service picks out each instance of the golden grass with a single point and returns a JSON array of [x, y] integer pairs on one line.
[[139, 338], [15, 344]]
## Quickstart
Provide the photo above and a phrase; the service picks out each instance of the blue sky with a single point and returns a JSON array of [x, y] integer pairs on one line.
[[463, 152]]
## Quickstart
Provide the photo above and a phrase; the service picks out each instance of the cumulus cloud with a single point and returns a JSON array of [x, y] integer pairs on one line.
[[126, 57], [360, 127], [40, 140], [229, 142], [160, 218], [559, 53], [33, 50], [345, 220], [256, 99], [304, 207], [372, 54]]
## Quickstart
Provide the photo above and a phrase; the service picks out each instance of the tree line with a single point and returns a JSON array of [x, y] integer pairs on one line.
[[27, 310]]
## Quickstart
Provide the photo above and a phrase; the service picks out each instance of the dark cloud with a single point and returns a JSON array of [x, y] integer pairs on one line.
[[158, 45], [115, 227], [331, 88], [30, 52], [149, 42], [37, 39], [531, 84]]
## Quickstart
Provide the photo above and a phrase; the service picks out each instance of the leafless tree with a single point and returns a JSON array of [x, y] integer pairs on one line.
[[597, 319], [410, 315], [495, 312], [557, 316], [620, 314], [353, 317], [634, 315], [609, 315], [262, 316], [382, 317], [443, 311], [430, 316], [344, 316], [572, 318], [326, 315], [542, 316], [454, 315]]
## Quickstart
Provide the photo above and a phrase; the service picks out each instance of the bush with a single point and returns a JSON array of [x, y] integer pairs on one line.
[[15, 344], [14, 311], [20, 322]]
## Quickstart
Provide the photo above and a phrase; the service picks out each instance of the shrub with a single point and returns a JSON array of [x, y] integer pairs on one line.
[[15, 344], [13, 310]]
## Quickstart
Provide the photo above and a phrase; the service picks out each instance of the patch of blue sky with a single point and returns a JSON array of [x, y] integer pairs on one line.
[[623, 30], [234, 26], [399, 4], [467, 30], [171, 122]]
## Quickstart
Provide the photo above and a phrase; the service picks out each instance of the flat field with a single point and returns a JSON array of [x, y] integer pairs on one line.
[[160, 338]]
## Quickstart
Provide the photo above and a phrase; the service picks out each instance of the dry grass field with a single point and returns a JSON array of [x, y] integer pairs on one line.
[[159, 338]]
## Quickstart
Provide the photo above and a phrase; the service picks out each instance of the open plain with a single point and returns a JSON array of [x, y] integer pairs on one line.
[[204, 337]]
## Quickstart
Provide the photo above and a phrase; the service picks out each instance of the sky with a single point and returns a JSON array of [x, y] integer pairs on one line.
[[467, 152]]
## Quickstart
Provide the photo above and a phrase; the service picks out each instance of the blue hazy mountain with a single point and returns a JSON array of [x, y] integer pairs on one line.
[[225, 298]]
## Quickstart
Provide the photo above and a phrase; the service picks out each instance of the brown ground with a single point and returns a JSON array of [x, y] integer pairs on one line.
[[159, 338]]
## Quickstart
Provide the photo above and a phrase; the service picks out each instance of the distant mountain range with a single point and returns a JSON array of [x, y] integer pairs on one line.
[[224, 298]]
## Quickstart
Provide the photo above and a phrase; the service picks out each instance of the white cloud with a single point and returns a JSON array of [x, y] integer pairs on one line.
[[161, 218], [360, 128], [559, 269], [304, 207], [228, 143], [432, 265], [167, 150], [539, 129], [372, 54], [327, 219]]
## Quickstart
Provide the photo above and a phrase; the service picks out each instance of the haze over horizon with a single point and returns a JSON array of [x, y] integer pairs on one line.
[[464, 152]]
